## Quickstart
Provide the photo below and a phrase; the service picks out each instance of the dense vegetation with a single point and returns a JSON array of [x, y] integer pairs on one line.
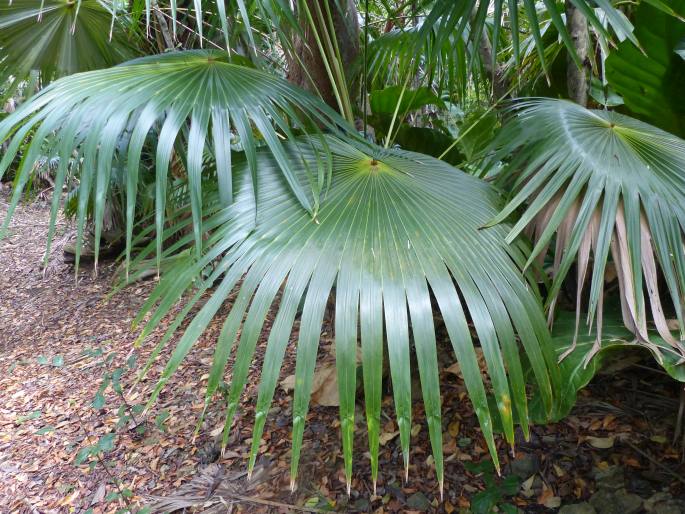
[[515, 168]]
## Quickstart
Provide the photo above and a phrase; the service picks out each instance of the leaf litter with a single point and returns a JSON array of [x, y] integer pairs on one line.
[[73, 437]]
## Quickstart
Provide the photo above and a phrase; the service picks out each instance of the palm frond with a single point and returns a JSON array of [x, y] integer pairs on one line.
[[58, 38], [448, 17], [197, 95], [397, 230], [393, 56], [600, 181]]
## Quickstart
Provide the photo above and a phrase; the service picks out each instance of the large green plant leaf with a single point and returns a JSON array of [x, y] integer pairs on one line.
[[599, 181], [197, 94], [57, 38], [397, 230], [584, 357], [652, 83], [396, 98], [429, 141], [395, 103]]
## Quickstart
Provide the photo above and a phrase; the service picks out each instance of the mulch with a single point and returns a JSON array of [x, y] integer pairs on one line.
[[61, 336]]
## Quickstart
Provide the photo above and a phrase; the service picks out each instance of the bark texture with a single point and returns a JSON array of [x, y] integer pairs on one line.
[[494, 70], [309, 71], [577, 78]]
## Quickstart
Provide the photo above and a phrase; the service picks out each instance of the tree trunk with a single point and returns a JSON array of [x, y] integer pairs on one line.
[[494, 70], [309, 71], [577, 78]]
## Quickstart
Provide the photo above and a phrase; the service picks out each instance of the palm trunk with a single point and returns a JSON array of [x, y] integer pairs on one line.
[[306, 68], [577, 78], [492, 68]]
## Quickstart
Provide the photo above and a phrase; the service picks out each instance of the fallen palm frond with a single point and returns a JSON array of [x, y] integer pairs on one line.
[[213, 491]]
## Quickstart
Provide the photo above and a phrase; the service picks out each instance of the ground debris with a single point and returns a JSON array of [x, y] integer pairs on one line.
[[70, 442]]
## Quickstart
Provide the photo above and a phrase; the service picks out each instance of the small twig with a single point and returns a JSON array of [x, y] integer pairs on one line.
[[656, 462], [129, 408]]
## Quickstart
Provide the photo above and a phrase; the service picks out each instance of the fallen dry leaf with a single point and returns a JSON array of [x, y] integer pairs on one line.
[[324, 385], [454, 369], [527, 487], [387, 436], [601, 443], [548, 499]]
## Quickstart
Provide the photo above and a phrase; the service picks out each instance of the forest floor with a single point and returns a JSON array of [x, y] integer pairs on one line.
[[73, 441]]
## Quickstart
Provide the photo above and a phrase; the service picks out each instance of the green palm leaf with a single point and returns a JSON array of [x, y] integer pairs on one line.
[[57, 38], [398, 54], [448, 17], [600, 181], [197, 95], [397, 230], [577, 369]]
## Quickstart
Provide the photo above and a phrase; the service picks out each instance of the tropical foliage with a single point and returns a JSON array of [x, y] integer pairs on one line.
[[600, 181], [276, 151]]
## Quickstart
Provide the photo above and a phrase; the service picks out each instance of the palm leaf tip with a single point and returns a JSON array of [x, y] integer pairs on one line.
[[397, 229], [602, 183]]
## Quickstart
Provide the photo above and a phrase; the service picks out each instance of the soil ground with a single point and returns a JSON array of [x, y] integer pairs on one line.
[[61, 335]]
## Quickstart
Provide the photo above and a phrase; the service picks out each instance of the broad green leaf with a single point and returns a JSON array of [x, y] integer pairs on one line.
[[651, 83], [588, 357], [428, 141], [386, 101], [395, 103], [387, 238], [84, 454], [106, 443], [594, 183]]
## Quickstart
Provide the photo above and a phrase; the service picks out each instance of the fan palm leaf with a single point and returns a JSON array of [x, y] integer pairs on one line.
[[397, 230], [197, 94], [600, 181], [57, 38]]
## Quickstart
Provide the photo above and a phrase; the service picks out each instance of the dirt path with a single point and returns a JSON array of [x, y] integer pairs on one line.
[[59, 342]]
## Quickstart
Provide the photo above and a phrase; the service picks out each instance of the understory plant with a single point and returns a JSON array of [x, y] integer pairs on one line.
[[279, 154]]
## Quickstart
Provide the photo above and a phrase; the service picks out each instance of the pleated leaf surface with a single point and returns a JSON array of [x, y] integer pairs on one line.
[[398, 236], [595, 182], [58, 38], [178, 105]]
